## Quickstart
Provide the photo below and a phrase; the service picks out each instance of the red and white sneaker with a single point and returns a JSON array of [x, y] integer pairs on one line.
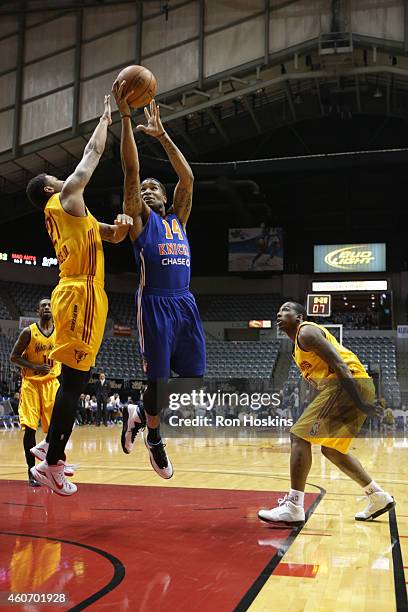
[[53, 477], [40, 452]]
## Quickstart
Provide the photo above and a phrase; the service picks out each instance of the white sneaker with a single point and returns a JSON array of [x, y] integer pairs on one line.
[[378, 503], [286, 512], [159, 459], [40, 452], [132, 422], [53, 477]]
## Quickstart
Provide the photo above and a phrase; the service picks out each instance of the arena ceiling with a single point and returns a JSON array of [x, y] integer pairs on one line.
[[240, 114]]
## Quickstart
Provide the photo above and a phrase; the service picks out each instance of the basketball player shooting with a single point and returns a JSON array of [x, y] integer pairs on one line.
[[79, 302], [170, 331], [346, 397]]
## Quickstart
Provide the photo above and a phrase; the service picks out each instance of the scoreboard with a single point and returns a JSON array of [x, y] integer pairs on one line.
[[28, 259], [318, 305]]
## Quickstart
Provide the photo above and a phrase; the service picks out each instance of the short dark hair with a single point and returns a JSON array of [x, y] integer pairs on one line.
[[44, 297], [35, 191], [162, 187], [300, 309]]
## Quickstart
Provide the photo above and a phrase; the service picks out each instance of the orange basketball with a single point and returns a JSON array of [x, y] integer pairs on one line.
[[142, 81]]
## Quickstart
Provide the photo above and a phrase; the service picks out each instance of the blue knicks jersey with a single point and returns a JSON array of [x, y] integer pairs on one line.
[[163, 253]]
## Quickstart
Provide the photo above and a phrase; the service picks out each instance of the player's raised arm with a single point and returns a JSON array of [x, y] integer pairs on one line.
[[72, 191], [117, 232], [183, 193], [312, 339], [133, 204]]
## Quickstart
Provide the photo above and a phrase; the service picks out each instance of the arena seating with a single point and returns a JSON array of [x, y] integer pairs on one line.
[[122, 308], [238, 307], [119, 358], [241, 359], [26, 295]]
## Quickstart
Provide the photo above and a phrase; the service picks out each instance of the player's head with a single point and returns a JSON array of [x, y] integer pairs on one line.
[[42, 187], [153, 194], [290, 316], [44, 309]]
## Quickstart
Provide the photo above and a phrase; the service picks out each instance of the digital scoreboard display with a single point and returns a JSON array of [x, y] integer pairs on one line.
[[318, 305], [27, 259]]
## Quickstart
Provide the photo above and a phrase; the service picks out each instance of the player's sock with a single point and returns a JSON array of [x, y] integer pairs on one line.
[[372, 487], [29, 442], [153, 435], [296, 497], [73, 382]]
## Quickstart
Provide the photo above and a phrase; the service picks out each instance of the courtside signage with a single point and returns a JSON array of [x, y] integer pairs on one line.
[[364, 257]]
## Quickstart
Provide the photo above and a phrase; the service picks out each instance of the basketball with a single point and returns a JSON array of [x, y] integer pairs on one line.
[[142, 81]]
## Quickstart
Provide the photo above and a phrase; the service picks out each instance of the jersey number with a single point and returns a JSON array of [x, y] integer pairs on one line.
[[47, 361], [52, 229], [175, 229]]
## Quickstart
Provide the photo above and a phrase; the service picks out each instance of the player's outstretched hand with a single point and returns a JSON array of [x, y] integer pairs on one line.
[[122, 225], [122, 98], [154, 125], [123, 219], [374, 409], [107, 110]]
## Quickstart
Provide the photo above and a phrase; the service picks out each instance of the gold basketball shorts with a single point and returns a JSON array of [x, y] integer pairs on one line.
[[79, 307], [37, 402], [332, 419]]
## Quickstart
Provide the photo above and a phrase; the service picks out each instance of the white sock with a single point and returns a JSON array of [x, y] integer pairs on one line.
[[296, 497], [372, 487]]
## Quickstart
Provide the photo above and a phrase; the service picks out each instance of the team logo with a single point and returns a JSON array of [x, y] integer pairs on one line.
[[305, 365], [347, 258], [80, 355]]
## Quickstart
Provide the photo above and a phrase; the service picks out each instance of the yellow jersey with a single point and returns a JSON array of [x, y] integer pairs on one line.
[[38, 352], [314, 369], [77, 242]]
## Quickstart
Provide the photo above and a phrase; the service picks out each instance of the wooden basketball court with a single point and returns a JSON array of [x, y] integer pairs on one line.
[[129, 540]]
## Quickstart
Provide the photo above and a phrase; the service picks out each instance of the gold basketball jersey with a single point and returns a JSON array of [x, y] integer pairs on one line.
[[77, 242], [38, 352], [314, 369]]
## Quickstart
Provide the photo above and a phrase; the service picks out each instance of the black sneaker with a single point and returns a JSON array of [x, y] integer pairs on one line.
[[133, 422], [159, 459], [32, 481]]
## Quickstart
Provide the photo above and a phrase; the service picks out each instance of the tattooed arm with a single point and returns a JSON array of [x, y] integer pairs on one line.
[[183, 193]]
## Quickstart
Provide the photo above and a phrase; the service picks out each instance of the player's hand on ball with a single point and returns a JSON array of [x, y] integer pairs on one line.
[[107, 110], [118, 90], [154, 125], [123, 220]]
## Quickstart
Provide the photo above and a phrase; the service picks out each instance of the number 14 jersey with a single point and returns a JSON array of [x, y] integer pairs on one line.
[[163, 253]]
